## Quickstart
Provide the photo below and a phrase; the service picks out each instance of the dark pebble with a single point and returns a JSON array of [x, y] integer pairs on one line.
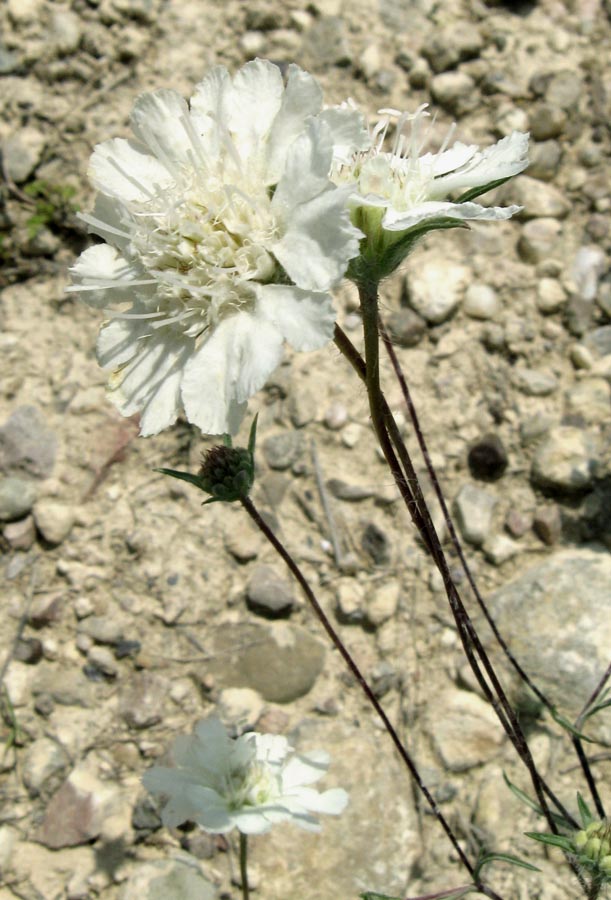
[[488, 458], [375, 543], [28, 650], [127, 648]]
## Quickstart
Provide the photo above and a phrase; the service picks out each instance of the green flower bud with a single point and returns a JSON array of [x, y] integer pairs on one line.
[[592, 848], [227, 473], [580, 839], [605, 865]]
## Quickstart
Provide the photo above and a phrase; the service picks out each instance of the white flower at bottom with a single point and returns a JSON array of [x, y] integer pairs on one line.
[[224, 235], [249, 783]]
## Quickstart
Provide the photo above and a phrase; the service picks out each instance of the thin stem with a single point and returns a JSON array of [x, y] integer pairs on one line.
[[583, 761], [362, 682], [381, 416], [595, 886], [244, 866]]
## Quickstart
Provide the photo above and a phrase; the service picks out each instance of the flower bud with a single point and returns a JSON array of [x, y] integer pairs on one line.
[[605, 865]]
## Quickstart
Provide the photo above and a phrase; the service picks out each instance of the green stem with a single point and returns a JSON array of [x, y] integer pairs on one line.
[[244, 865]]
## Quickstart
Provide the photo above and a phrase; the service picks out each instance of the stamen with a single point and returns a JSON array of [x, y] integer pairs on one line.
[[137, 184], [88, 219], [76, 288]]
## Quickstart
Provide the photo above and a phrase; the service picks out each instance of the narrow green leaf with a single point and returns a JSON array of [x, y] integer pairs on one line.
[[554, 840], [478, 191], [568, 726], [252, 437], [505, 857], [584, 811], [369, 895], [182, 476]]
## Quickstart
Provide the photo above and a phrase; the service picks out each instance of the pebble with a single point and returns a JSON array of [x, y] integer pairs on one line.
[[498, 548], [351, 435], [546, 121], [474, 508], [487, 458], [446, 47], [9, 61], [564, 89], [589, 400], [376, 544], [167, 879], [370, 61], [350, 492], [252, 43], [464, 730], [54, 520], [240, 708], [303, 406], [406, 327], [281, 451], [350, 602], [325, 44], [141, 705], [578, 315], [102, 629], [517, 523], [336, 416], [242, 541], [581, 357], [481, 301], [64, 31], [382, 603], [544, 160], [20, 535], [565, 461], [455, 91], [79, 810], [538, 199], [598, 341], [27, 444], [28, 650], [45, 609], [420, 74], [588, 267], [547, 524], [44, 759], [22, 152], [538, 239], [274, 486], [434, 291], [534, 382], [17, 497], [268, 594], [551, 296], [103, 660]]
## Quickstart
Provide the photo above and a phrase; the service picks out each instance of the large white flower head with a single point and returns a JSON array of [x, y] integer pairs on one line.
[[223, 237], [249, 783], [402, 192]]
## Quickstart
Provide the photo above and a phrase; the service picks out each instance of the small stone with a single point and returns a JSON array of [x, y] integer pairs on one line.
[[435, 291], [351, 435], [252, 43], [45, 609], [565, 461], [376, 544], [274, 486], [598, 341], [546, 121], [199, 843], [141, 705], [65, 31], [243, 542], [27, 444], [588, 267], [538, 239], [167, 879], [517, 524], [104, 660], [578, 315], [281, 451], [102, 629], [268, 594], [551, 296], [455, 91], [538, 199], [464, 729], [44, 759], [589, 400], [420, 74], [448, 46], [349, 492], [370, 61], [54, 520], [28, 650], [17, 497], [273, 721], [544, 160], [406, 327], [382, 604], [335, 416], [77, 812], [303, 406], [239, 708], [145, 816], [481, 301], [325, 44], [581, 357], [498, 548], [487, 458], [474, 508], [350, 601], [564, 89], [20, 535], [264, 18], [22, 152], [547, 524], [534, 382]]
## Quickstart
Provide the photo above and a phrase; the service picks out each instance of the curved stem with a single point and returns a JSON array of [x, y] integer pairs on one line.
[[360, 678], [244, 866]]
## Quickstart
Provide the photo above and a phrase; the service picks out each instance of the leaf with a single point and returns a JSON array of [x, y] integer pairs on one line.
[[504, 857], [369, 895], [478, 191], [584, 811], [252, 437], [568, 726], [554, 840], [559, 820], [182, 476]]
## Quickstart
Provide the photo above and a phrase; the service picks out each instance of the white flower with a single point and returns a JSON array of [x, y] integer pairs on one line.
[[249, 783], [413, 188], [224, 235]]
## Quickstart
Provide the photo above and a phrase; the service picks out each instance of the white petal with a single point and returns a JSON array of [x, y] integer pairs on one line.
[[255, 102], [306, 319], [302, 98], [502, 160], [348, 131], [125, 170], [395, 220], [230, 366], [160, 120], [306, 174], [305, 769], [208, 107], [332, 802], [251, 821], [119, 341], [109, 221], [319, 241], [449, 160], [103, 268], [150, 382]]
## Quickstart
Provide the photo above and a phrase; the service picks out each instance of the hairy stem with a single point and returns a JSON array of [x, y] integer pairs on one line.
[[244, 866]]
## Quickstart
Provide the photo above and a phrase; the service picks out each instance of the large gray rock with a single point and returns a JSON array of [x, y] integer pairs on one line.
[[168, 879], [17, 498], [538, 199], [27, 444], [464, 730], [474, 508], [555, 617]]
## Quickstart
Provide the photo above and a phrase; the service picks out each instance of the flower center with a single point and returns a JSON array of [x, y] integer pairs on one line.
[[204, 241], [254, 785]]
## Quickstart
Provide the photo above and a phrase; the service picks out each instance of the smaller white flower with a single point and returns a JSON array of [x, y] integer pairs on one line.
[[249, 783]]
